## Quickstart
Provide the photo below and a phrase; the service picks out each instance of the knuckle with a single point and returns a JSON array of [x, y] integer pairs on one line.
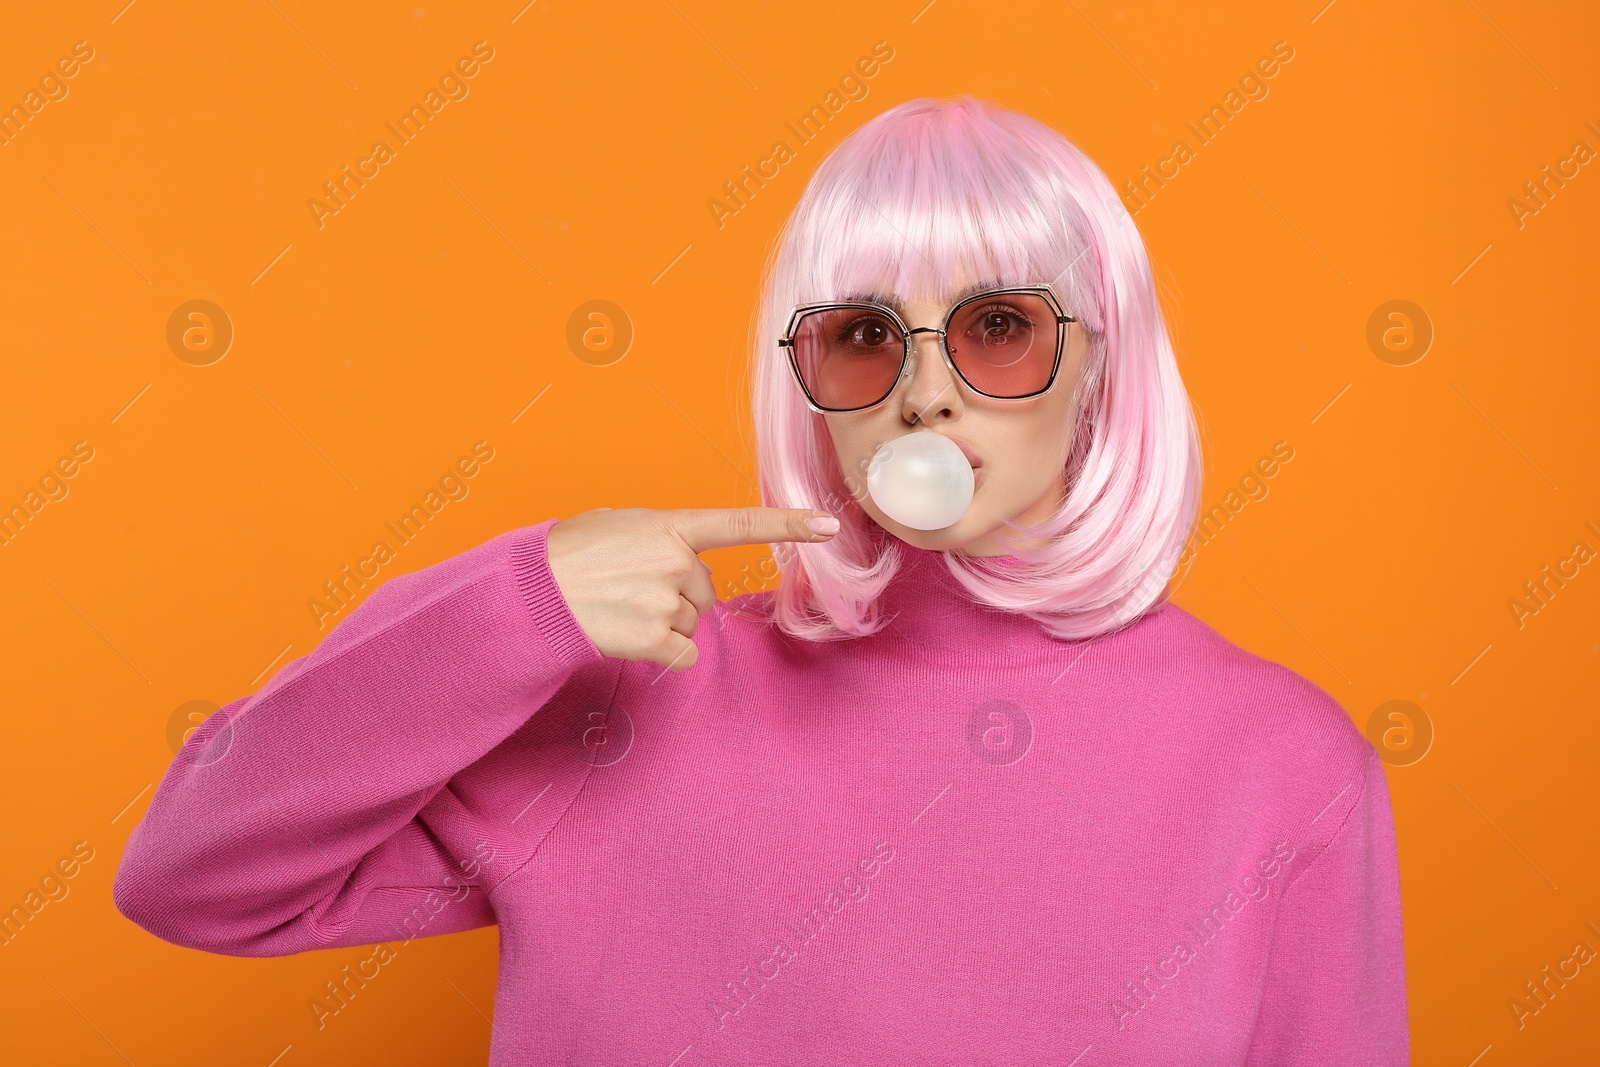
[[653, 603], [743, 522]]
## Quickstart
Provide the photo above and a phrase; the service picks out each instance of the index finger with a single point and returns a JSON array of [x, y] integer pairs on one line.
[[703, 528]]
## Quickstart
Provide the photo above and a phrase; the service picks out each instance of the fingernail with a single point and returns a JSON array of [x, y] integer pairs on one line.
[[823, 524]]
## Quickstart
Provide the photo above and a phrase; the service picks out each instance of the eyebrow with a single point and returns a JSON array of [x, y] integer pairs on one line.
[[890, 301]]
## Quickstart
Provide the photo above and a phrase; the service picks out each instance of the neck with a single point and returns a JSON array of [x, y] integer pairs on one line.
[[928, 606]]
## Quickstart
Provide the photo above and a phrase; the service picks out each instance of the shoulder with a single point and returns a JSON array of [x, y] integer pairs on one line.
[[1224, 691], [744, 622], [1250, 736]]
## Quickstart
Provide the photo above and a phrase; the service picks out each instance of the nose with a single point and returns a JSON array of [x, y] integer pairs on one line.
[[928, 388]]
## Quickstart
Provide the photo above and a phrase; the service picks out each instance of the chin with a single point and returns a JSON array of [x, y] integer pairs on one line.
[[969, 528], [975, 524]]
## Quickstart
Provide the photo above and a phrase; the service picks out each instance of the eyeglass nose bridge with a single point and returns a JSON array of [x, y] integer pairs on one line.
[[944, 350]]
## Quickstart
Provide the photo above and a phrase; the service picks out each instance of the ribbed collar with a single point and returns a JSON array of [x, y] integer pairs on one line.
[[929, 608]]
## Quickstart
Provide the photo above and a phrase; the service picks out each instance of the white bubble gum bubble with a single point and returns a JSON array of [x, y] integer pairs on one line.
[[921, 480]]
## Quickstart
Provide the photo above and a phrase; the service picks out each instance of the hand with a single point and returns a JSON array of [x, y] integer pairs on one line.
[[635, 582]]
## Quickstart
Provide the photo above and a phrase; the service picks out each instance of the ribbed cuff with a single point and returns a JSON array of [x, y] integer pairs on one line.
[[530, 561]]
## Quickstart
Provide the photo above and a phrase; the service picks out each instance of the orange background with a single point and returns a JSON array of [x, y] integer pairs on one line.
[[432, 310]]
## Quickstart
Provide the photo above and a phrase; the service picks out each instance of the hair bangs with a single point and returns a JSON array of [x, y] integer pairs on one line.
[[936, 213]]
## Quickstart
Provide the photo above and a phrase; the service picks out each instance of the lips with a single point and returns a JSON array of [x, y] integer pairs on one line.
[[967, 450]]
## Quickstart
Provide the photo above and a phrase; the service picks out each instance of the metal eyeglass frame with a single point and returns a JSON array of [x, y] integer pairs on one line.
[[1043, 290]]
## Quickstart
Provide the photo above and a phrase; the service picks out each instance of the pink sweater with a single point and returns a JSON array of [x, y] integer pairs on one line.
[[958, 841]]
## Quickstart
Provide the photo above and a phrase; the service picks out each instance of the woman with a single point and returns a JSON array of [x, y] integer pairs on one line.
[[978, 794]]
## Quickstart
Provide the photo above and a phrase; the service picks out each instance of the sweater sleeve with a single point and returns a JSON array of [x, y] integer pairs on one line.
[[1335, 989], [319, 811]]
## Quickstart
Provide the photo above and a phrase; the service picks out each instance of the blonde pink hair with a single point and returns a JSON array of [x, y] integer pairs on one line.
[[917, 190]]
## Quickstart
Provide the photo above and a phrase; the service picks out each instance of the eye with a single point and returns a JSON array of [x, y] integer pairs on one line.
[[998, 324], [866, 331]]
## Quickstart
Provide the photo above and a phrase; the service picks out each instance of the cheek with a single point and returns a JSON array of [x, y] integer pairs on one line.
[[852, 447], [1029, 459]]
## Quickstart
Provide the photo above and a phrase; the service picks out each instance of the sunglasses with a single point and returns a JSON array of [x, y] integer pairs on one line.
[[1003, 343]]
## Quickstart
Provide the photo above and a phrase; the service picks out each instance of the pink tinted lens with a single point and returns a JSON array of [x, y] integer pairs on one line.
[[1005, 345], [848, 357]]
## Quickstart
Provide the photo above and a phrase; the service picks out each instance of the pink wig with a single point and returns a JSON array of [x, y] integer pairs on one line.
[[919, 189]]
